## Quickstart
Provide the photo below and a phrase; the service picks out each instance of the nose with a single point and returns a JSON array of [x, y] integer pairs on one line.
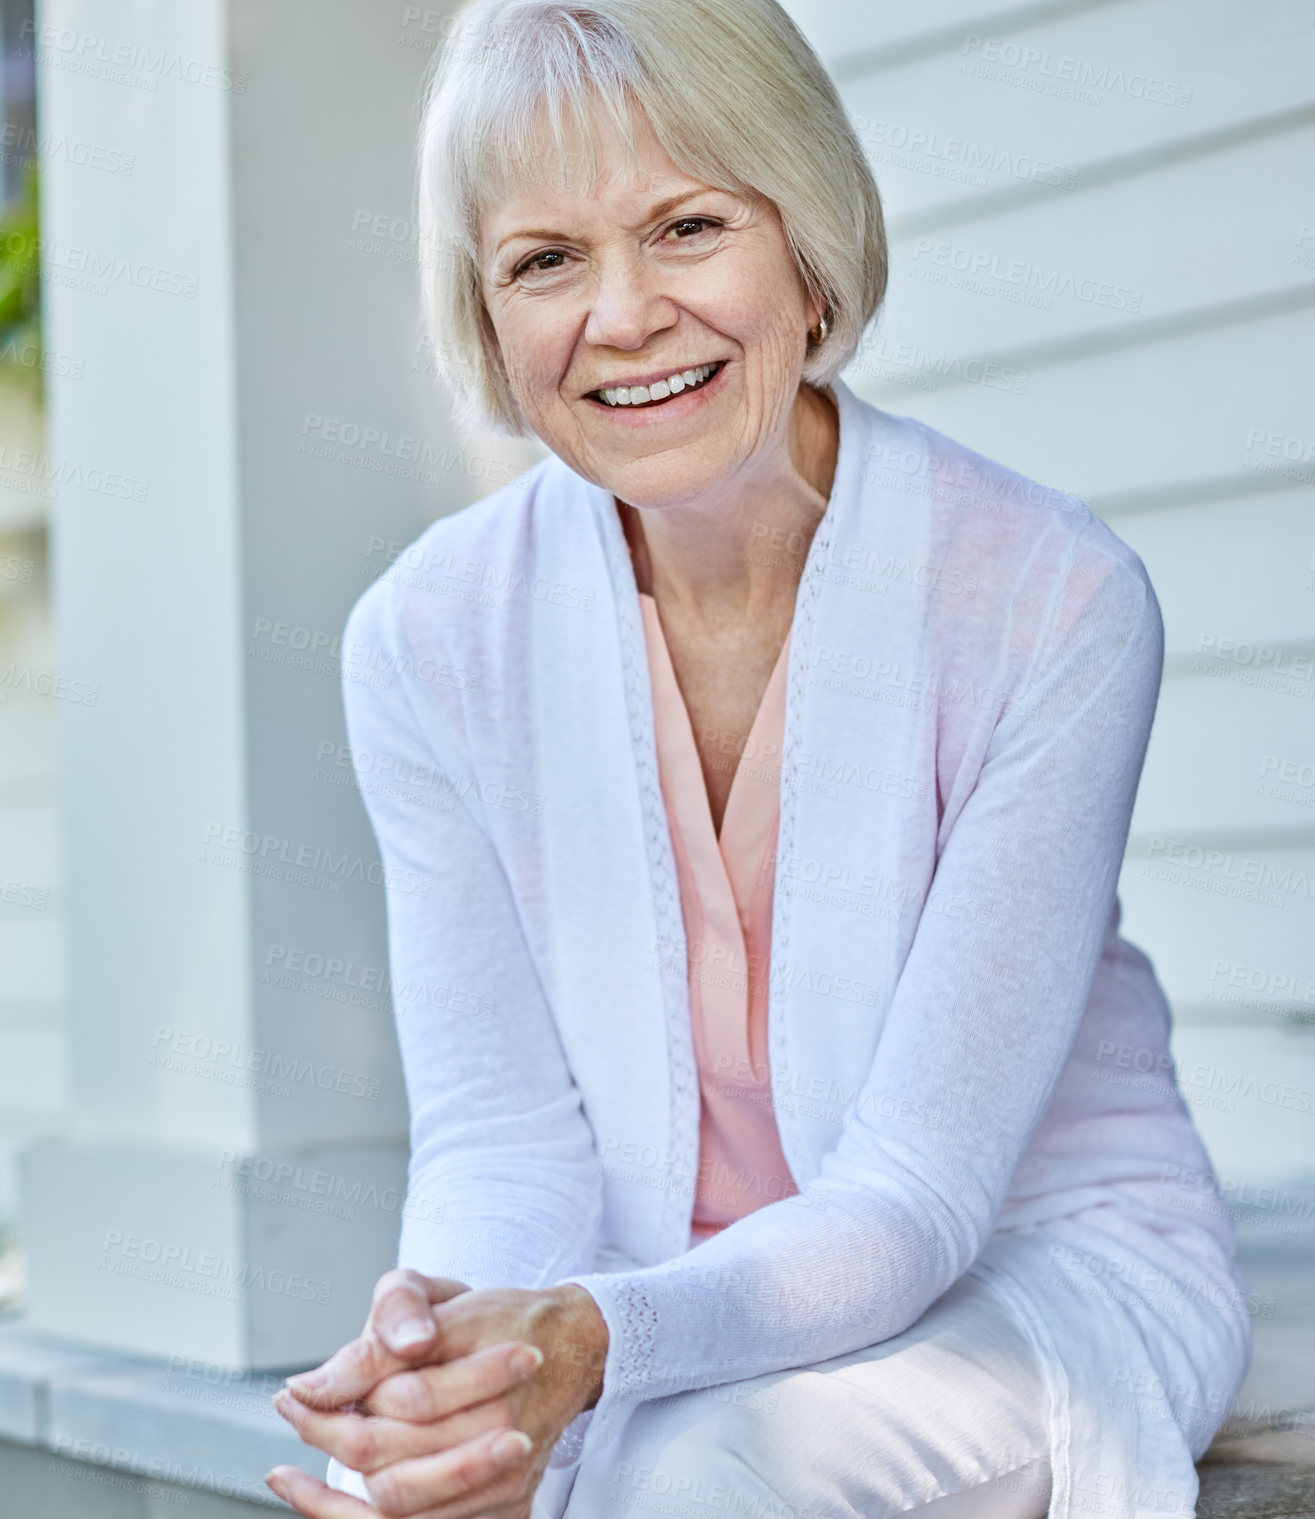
[[628, 307]]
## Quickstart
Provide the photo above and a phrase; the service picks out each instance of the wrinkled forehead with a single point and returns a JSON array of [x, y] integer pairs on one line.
[[556, 154]]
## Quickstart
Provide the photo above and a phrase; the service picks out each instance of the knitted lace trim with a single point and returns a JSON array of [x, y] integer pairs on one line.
[[678, 1202], [793, 1140]]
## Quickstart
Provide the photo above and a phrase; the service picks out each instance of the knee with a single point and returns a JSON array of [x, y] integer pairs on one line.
[[664, 1452], [698, 1447]]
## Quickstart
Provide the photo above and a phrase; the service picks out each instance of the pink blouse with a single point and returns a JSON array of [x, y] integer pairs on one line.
[[726, 886]]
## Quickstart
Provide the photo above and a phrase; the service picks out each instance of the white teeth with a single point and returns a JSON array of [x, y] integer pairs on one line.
[[636, 395]]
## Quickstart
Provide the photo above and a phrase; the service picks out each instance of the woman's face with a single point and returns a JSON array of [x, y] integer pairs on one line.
[[649, 276]]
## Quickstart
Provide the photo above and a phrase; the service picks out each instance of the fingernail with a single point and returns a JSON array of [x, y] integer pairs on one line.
[[412, 1332], [525, 1360], [307, 1381], [512, 1447]]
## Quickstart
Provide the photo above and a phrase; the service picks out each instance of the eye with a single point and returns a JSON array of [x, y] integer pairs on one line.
[[534, 263], [700, 223]]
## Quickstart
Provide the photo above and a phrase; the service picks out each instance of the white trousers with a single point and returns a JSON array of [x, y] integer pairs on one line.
[[950, 1419]]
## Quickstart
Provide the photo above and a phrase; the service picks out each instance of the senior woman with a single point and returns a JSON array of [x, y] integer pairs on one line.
[[795, 1132]]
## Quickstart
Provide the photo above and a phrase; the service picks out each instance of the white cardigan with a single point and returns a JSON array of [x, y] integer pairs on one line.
[[969, 1066]]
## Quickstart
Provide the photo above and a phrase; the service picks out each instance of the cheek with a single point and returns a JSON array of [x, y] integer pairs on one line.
[[535, 359], [761, 305]]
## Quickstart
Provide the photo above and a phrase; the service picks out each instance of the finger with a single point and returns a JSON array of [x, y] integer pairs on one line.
[[487, 1471], [360, 1441], [308, 1495], [432, 1392], [352, 1371], [348, 1374], [400, 1311], [366, 1443]]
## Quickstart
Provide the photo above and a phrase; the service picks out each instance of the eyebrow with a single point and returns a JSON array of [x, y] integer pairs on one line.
[[655, 213]]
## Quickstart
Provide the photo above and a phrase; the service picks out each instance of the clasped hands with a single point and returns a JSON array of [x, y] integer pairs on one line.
[[450, 1401]]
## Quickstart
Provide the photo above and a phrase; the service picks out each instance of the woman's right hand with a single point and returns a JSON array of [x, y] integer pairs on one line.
[[456, 1423], [399, 1335]]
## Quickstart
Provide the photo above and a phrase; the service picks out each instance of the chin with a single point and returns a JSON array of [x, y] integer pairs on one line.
[[663, 483], [654, 497]]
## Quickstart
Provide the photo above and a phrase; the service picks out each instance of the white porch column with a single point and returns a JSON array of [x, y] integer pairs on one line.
[[231, 465]]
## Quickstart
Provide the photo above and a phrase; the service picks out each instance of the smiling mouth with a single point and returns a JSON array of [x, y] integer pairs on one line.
[[660, 391]]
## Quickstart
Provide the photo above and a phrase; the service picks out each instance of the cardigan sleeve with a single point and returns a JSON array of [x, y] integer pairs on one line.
[[981, 1022], [504, 1186]]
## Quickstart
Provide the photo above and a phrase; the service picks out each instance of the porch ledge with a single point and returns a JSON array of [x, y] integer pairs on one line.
[[179, 1422]]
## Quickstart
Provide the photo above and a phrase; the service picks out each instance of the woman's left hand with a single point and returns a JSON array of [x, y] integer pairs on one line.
[[422, 1426]]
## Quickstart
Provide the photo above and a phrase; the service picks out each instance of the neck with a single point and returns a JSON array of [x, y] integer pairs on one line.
[[742, 554]]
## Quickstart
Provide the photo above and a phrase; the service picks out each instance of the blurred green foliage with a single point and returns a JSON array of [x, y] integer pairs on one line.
[[20, 283]]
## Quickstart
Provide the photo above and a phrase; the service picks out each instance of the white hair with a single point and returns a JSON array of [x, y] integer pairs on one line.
[[732, 91]]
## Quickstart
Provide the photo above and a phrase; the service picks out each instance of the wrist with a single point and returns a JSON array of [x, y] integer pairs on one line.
[[580, 1339]]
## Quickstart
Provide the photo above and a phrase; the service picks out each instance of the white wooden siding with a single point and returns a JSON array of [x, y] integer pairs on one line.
[[1102, 221]]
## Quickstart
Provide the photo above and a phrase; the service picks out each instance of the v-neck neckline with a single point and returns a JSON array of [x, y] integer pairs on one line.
[[613, 528], [768, 715]]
